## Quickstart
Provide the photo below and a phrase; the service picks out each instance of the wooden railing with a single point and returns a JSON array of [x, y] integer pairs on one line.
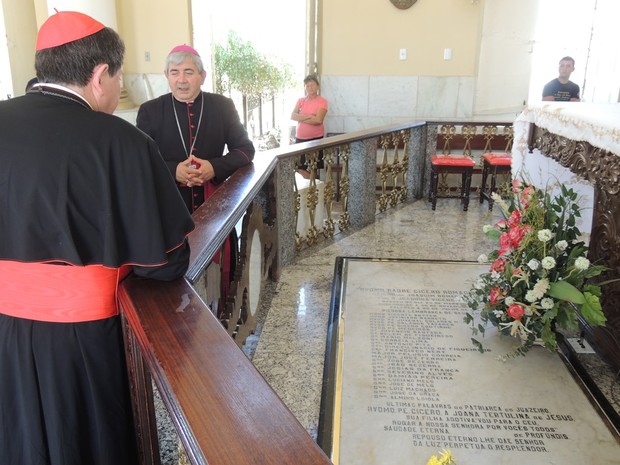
[[223, 410]]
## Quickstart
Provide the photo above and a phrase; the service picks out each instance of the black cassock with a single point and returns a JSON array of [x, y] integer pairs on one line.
[[205, 128], [83, 188]]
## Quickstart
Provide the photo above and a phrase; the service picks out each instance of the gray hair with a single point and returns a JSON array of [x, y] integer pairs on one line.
[[176, 58]]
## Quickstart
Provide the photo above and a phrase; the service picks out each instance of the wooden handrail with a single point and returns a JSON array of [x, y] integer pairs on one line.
[[223, 210], [223, 409]]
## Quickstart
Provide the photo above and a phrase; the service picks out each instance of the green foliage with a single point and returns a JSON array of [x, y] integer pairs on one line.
[[565, 291], [239, 66]]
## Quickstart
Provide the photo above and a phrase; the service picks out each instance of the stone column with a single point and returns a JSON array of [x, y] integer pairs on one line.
[[362, 175]]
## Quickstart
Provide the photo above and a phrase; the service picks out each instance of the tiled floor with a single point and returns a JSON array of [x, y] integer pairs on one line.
[[290, 345]]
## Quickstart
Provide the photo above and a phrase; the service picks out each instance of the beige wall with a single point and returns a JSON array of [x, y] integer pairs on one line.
[[21, 32], [153, 26], [363, 37]]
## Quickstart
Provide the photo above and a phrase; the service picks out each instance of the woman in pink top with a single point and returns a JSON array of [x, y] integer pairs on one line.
[[309, 112]]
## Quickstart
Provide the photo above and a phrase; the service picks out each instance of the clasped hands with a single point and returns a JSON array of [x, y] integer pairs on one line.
[[194, 171]]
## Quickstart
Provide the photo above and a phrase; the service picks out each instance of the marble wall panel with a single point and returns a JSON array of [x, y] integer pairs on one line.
[[347, 95], [392, 96], [438, 97], [465, 100], [357, 103]]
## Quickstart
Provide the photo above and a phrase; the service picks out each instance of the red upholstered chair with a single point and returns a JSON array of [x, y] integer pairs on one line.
[[445, 163], [494, 163]]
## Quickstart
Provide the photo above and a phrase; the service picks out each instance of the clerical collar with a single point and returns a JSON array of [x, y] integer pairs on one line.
[[189, 102], [44, 86]]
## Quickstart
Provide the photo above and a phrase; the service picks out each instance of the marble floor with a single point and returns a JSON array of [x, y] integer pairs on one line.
[[289, 346]]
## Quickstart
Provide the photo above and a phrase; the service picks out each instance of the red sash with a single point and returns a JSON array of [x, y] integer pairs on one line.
[[57, 293]]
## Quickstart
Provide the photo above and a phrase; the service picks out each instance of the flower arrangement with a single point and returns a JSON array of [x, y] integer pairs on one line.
[[446, 458], [538, 276]]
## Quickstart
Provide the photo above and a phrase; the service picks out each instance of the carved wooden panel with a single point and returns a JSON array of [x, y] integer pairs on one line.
[[602, 168], [256, 258]]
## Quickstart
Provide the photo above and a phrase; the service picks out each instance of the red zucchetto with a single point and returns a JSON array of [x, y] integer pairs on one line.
[[64, 27]]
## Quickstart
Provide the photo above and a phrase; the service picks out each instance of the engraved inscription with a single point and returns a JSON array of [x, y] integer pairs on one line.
[[413, 378]]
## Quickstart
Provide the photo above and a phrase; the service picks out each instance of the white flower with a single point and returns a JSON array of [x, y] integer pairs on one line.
[[533, 264], [545, 235], [495, 275], [548, 263], [561, 245], [483, 258], [501, 202], [582, 263], [498, 313], [547, 303], [479, 284], [540, 288], [530, 296], [528, 311], [509, 301], [486, 228]]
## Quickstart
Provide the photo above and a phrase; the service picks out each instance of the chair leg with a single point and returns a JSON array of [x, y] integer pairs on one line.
[[493, 189], [430, 189], [433, 190], [463, 189], [467, 183], [483, 184]]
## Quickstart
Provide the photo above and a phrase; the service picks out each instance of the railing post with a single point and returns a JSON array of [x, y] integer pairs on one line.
[[430, 139], [286, 214], [362, 177], [416, 153]]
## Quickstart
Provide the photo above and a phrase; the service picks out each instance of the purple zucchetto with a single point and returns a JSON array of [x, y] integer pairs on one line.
[[184, 48]]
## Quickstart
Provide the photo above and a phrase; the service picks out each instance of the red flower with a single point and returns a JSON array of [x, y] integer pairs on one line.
[[526, 196], [516, 235], [514, 219], [498, 265], [495, 296], [505, 244], [516, 311]]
